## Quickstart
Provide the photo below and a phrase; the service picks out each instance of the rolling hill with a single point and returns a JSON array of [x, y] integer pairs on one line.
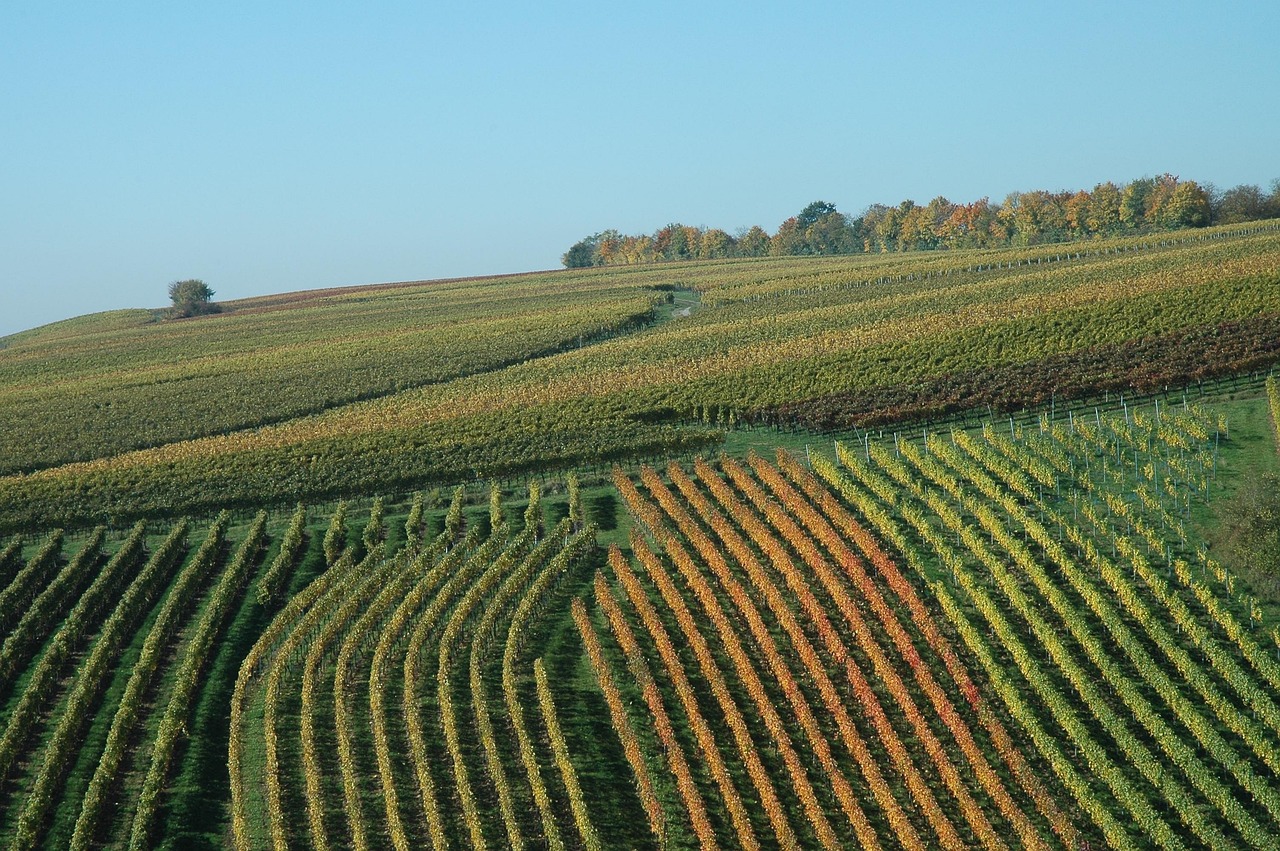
[[873, 551], [370, 389]]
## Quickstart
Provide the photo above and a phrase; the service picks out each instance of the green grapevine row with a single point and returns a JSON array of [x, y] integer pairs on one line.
[[1200, 775], [195, 657], [376, 573], [44, 612], [89, 684], [534, 597], [26, 583], [443, 562], [631, 748], [271, 585], [560, 748], [428, 620], [131, 707]]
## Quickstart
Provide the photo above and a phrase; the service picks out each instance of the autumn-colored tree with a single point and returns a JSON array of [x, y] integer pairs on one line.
[[715, 244], [889, 227], [1024, 218], [1104, 209], [639, 249], [692, 240], [915, 231], [936, 213], [673, 243], [754, 242], [1077, 211], [1162, 190], [1187, 206], [1035, 217], [954, 229], [1133, 203], [608, 246], [872, 222], [788, 240], [1009, 214], [1054, 226], [970, 225]]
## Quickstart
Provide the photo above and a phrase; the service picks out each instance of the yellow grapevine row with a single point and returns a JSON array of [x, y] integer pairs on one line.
[[884, 668], [672, 749], [217, 611], [131, 703], [811, 666], [924, 621], [726, 635], [484, 636], [251, 668], [821, 529], [817, 614], [631, 748], [534, 597], [560, 748], [427, 620]]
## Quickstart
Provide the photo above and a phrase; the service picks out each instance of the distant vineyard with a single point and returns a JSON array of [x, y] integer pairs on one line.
[[473, 380], [146, 386]]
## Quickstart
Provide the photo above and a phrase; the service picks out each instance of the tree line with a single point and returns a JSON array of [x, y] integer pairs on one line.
[[1024, 218]]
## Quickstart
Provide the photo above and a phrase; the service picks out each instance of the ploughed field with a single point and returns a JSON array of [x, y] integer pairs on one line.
[[252, 599]]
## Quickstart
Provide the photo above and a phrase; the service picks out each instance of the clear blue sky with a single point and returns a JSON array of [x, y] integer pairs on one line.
[[266, 147]]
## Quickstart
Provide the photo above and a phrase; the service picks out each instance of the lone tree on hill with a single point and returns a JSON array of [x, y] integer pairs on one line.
[[191, 298]]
